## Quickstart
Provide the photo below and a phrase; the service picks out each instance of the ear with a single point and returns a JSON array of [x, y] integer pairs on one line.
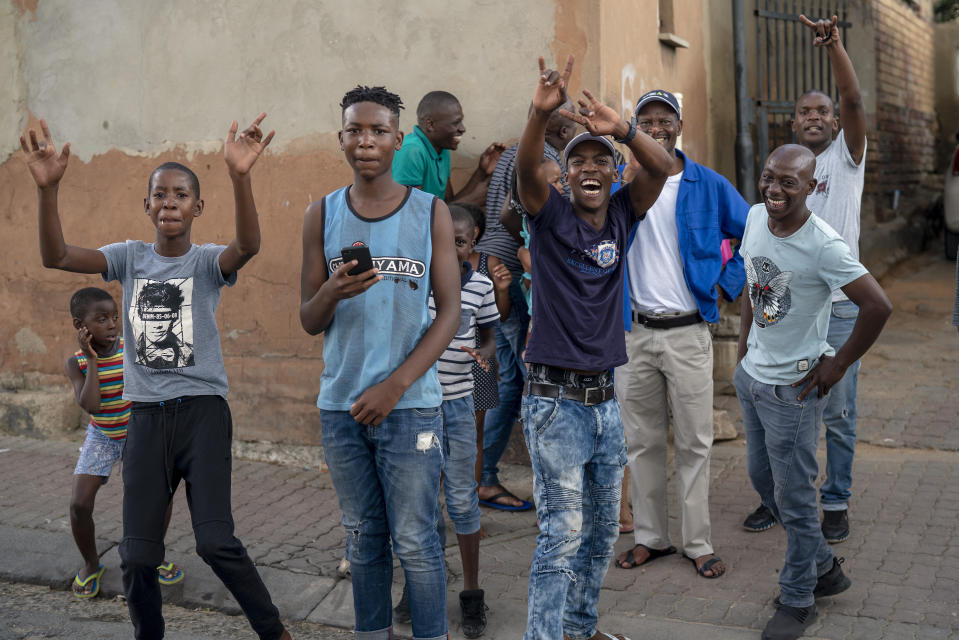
[[399, 141], [679, 129], [812, 185], [428, 122], [835, 125], [77, 323], [146, 206], [792, 124], [198, 208], [339, 136]]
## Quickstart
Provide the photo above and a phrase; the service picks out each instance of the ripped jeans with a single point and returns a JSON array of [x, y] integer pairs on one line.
[[578, 454], [387, 479]]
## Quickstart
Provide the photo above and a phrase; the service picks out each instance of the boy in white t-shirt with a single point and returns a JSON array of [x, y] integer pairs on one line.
[[836, 200], [794, 263]]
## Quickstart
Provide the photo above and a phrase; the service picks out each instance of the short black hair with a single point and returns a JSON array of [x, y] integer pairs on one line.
[[160, 294], [475, 211], [176, 166], [377, 95], [433, 101], [82, 299], [459, 213]]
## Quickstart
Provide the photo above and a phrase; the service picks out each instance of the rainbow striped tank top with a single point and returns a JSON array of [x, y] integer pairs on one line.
[[114, 413]]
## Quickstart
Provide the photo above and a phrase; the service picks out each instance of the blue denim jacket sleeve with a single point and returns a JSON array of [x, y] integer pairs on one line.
[[708, 209]]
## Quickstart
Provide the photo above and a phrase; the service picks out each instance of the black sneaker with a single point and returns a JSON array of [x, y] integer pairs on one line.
[[833, 581], [401, 612], [789, 623], [759, 520], [835, 526], [474, 613]]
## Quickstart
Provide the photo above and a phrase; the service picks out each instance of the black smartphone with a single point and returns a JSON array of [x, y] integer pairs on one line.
[[360, 253]]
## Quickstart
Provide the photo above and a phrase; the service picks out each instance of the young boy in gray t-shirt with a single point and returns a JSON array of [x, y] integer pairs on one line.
[[180, 426]]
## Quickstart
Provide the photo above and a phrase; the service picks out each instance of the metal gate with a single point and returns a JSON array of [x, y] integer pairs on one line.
[[786, 65]]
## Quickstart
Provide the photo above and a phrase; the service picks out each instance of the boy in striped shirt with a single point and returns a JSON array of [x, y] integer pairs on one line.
[[96, 371], [478, 312]]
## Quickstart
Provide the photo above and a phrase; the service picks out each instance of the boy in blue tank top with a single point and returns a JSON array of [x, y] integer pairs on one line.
[[380, 395], [570, 418]]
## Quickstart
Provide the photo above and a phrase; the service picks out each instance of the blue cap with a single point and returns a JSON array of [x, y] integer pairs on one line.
[[586, 136], [658, 95]]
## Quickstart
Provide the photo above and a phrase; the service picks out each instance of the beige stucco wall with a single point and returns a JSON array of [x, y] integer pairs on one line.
[[946, 36], [134, 84]]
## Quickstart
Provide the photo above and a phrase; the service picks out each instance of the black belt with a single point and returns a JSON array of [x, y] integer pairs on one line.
[[666, 322], [589, 396]]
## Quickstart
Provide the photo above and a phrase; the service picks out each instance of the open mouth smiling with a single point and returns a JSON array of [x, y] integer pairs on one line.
[[591, 186]]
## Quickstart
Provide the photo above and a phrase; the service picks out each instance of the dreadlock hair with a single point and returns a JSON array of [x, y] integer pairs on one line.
[[377, 95], [84, 298]]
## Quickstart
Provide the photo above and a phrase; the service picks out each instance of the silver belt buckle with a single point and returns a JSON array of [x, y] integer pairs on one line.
[[588, 402]]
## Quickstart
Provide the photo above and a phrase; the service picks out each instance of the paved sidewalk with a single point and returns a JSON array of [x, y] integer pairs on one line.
[[903, 554]]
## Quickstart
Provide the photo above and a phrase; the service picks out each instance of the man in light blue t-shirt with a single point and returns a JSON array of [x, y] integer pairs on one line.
[[794, 262]]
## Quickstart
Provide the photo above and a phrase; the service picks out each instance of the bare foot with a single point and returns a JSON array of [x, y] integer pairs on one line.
[[498, 494], [168, 571], [482, 532], [715, 570]]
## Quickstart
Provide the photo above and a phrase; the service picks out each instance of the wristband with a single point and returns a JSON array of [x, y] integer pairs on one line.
[[629, 134]]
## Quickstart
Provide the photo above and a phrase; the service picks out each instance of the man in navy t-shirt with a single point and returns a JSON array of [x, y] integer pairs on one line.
[[570, 418]]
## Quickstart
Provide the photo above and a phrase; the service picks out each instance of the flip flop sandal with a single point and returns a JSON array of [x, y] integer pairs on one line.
[[492, 504], [630, 561], [612, 637], [707, 566], [94, 578], [173, 579]]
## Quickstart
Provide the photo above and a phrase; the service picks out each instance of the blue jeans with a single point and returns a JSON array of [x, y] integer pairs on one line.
[[386, 480], [510, 343], [840, 414], [578, 454], [781, 438], [459, 466]]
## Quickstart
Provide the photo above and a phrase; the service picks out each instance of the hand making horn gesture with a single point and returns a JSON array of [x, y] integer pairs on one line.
[[551, 89], [45, 164], [599, 119], [241, 152], [827, 31]]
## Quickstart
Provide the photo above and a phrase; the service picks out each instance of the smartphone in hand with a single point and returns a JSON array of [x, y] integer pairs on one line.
[[360, 253]]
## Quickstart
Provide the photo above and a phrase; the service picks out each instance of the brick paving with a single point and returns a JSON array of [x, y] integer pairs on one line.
[[903, 554]]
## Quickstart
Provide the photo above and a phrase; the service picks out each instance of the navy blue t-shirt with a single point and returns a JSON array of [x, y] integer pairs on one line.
[[578, 285]]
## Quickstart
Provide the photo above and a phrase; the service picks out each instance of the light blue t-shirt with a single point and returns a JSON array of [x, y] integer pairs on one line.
[[790, 283], [373, 333]]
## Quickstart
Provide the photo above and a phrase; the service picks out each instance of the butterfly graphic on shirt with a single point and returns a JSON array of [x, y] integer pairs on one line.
[[768, 288]]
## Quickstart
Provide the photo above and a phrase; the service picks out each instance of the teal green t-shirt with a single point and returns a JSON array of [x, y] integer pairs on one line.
[[417, 164]]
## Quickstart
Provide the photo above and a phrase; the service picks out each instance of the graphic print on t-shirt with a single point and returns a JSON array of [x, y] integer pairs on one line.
[[161, 315], [768, 288]]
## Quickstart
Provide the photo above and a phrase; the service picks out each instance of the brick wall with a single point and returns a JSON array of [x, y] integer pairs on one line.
[[903, 131]]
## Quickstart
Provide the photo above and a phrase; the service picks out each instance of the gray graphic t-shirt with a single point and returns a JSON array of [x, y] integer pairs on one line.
[[169, 323], [790, 282]]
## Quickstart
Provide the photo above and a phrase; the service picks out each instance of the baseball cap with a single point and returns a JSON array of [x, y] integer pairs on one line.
[[586, 136], [658, 95]]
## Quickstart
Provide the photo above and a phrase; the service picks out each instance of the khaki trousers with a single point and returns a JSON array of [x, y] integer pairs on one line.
[[668, 369]]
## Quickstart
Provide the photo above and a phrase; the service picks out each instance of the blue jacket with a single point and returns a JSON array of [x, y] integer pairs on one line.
[[708, 209]]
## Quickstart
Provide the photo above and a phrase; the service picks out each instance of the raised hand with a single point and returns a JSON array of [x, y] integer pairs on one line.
[[598, 119], [241, 152], [826, 31], [490, 157], [551, 88], [45, 164], [85, 338]]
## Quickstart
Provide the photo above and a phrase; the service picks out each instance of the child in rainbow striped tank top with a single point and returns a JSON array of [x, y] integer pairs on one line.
[[99, 391]]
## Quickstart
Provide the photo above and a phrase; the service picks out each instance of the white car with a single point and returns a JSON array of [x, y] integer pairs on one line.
[[950, 204]]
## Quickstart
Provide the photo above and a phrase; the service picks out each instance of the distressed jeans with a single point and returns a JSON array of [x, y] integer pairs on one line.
[[781, 438], [840, 414], [387, 479], [510, 344], [578, 454]]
